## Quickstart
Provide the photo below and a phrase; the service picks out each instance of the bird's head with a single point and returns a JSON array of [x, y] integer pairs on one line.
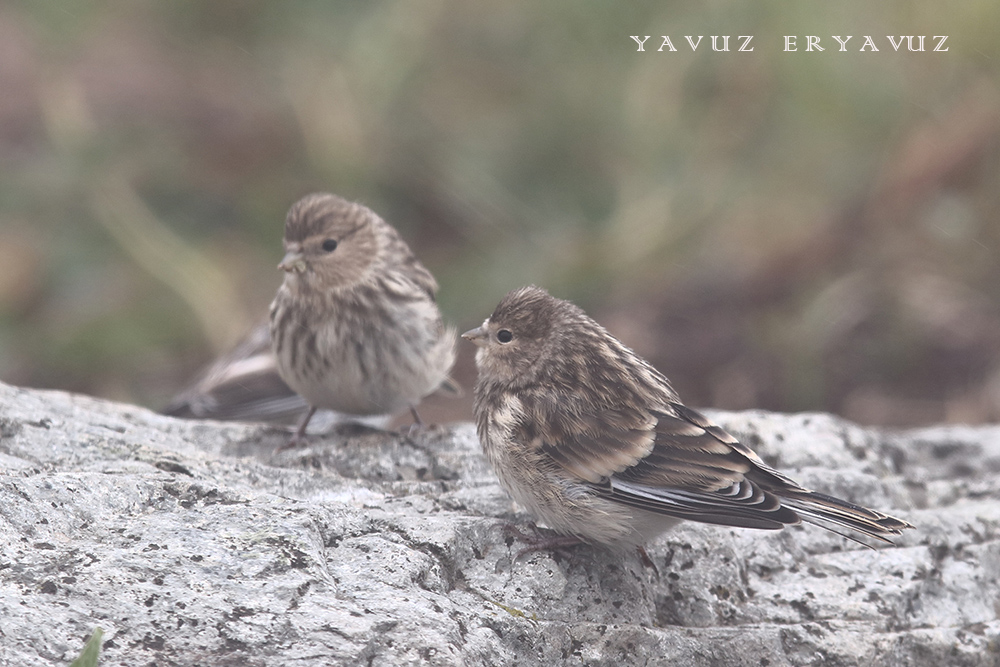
[[514, 341], [329, 242]]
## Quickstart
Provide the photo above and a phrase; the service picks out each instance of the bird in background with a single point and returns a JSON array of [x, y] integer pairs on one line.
[[595, 443], [359, 328], [355, 326]]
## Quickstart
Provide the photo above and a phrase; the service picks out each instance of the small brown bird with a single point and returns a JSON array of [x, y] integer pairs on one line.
[[595, 443], [354, 326]]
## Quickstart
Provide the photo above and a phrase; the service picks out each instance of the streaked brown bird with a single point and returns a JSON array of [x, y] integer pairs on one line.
[[595, 443], [355, 327]]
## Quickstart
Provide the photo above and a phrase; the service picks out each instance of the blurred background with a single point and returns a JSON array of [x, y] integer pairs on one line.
[[791, 231]]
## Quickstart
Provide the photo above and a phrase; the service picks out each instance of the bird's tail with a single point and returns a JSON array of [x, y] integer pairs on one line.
[[831, 513]]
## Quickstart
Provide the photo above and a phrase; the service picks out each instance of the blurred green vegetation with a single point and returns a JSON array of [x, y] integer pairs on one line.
[[807, 230]]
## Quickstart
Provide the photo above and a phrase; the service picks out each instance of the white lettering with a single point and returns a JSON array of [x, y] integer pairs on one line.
[[843, 42], [895, 46], [812, 43], [667, 43], [640, 42]]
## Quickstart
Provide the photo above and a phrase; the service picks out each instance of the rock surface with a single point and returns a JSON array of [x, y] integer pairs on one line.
[[196, 544]]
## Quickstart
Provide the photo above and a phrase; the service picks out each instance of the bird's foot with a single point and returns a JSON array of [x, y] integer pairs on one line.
[[417, 425], [539, 542], [299, 438]]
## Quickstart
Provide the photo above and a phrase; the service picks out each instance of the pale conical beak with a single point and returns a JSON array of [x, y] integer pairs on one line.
[[478, 336], [293, 262]]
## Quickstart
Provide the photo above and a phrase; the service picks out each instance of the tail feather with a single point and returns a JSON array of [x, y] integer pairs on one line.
[[827, 511]]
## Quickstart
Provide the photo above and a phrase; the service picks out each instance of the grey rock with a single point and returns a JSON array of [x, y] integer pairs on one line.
[[195, 543]]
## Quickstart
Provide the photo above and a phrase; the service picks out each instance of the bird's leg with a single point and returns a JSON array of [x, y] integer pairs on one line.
[[300, 433], [416, 416], [417, 424], [539, 542], [646, 560], [543, 543]]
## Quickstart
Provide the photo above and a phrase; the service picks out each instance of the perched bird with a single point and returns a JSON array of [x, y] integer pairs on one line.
[[241, 385], [595, 443], [355, 326]]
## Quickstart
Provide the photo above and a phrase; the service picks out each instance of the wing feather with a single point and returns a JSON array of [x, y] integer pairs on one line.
[[675, 462]]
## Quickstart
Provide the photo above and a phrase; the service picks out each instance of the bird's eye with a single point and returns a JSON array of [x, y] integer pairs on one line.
[[505, 336], [330, 245]]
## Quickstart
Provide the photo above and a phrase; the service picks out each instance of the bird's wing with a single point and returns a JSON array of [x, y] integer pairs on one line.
[[762, 480], [698, 471], [591, 445], [674, 461], [242, 385], [408, 266], [424, 280], [670, 461]]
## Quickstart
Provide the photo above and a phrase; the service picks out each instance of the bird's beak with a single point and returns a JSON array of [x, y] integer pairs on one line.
[[293, 262], [477, 336]]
